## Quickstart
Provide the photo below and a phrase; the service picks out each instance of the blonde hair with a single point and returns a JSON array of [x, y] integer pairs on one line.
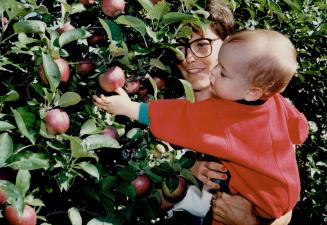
[[222, 17], [272, 62]]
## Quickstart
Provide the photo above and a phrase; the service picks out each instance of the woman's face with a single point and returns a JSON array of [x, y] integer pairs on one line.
[[197, 70]]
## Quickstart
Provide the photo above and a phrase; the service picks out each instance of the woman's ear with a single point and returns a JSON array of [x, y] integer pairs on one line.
[[253, 94]]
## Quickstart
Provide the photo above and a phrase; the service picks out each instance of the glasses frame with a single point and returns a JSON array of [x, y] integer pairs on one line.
[[187, 45]]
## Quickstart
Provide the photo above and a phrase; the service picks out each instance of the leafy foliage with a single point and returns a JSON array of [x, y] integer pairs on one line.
[[84, 175]]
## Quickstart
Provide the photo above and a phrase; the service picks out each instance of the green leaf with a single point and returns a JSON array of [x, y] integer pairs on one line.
[[6, 148], [4, 126], [134, 133], [187, 174], [51, 71], [164, 169], [11, 96], [188, 90], [74, 216], [68, 99], [73, 35], [154, 86], [89, 168], [127, 173], [76, 8], [89, 127], [112, 29], [98, 221], [159, 10], [146, 4], [77, 148], [27, 122], [23, 181], [133, 22], [14, 197], [126, 188], [186, 162], [154, 177], [30, 26], [184, 32], [157, 63], [27, 160], [65, 179], [100, 141], [174, 17], [179, 54], [13, 8]]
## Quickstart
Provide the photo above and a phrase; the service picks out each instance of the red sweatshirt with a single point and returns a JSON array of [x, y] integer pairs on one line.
[[256, 140]]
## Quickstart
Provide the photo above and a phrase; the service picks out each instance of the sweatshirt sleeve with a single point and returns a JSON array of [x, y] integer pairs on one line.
[[297, 124], [189, 125]]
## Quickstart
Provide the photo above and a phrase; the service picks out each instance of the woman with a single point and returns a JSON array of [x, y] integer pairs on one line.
[[201, 53]]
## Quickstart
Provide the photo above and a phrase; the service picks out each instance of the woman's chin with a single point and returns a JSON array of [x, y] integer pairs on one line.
[[200, 86]]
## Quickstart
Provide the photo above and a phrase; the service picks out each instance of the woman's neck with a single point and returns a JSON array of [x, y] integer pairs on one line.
[[202, 95]]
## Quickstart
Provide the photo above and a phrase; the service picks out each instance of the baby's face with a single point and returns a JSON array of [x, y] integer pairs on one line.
[[229, 78]]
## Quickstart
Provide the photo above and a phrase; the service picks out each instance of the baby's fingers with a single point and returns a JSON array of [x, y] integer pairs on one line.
[[121, 92]]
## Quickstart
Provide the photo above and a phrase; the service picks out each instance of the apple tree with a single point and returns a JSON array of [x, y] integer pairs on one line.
[[61, 157]]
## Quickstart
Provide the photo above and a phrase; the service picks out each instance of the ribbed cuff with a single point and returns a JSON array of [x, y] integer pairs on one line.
[[144, 114]]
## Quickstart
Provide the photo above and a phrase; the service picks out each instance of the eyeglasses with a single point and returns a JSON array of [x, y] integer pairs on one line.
[[201, 48]]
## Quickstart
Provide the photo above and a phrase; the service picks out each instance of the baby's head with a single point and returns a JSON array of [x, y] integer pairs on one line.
[[265, 58]]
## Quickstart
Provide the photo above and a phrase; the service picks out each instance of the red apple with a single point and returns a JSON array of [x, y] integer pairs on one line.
[[132, 87], [143, 90], [178, 193], [159, 82], [111, 132], [57, 121], [112, 79], [87, 2], [4, 21], [164, 203], [142, 184], [85, 66], [63, 69], [28, 217], [96, 39], [156, 1], [67, 27], [3, 196], [113, 8]]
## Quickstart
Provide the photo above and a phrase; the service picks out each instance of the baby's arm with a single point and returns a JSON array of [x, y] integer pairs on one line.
[[119, 104]]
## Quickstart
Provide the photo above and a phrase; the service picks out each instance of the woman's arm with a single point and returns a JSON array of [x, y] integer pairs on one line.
[[236, 210]]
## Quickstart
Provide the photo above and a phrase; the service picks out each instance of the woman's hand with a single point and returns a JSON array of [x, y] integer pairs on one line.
[[233, 210], [205, 171], [119, 104], [236, 210]]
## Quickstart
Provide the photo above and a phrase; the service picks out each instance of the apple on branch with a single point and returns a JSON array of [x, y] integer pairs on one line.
[[28, 217], [178, 192], [85, 66], [56, 121], [63, 70], [113, 8], [142, 184], [112, 79]]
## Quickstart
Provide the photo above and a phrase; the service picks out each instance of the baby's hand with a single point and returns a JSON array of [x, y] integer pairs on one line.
[[119, 104]]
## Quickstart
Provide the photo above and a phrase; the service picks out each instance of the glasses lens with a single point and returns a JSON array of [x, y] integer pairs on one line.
[[201, 48]]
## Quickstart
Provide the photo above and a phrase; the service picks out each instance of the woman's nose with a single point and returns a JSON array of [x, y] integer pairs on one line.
[[189, 55]]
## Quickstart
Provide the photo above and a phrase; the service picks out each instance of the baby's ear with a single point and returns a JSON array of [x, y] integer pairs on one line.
[[253, 94]]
